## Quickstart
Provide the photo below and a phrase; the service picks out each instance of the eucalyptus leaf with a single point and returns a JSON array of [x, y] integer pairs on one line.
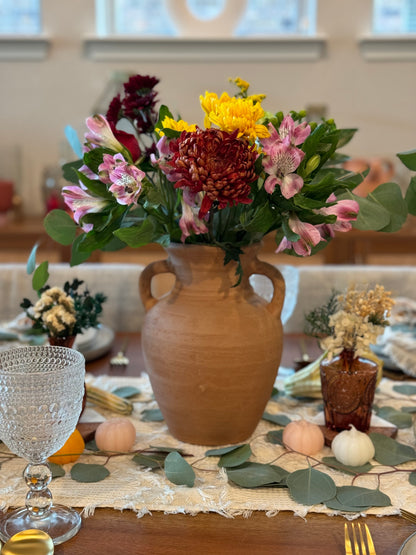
[[372, 215], [275, 437], [310, 486], [355, 496], [255, 475], [405, 389], [82, 472], [390, 196], [222, 450], [57, 470], [398, 418], [78, 256], [354, 470], [154, 461], [336, 505], [164, 449], [279, 419], [60, 226], [236, 457], [40, 275], [178, 471], [31, 261], [137, 236], [151, 415], [91, 445], [410, 410], [389, 451], [412, 478], [126, 391]]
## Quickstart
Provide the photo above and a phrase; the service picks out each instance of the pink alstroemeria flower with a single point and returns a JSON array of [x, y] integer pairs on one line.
[[280, 162], [297, 133], [163, 147], [110, 163], [189, 222], [81, 203], [101, 134], [346, 212], [309, 237]]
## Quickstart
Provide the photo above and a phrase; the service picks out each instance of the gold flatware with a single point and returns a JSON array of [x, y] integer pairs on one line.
[[358, 543], [29, 542], [408, 516]]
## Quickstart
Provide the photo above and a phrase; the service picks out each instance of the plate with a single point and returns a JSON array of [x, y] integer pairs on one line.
[[100, 346], [86, 339], [409, 546]]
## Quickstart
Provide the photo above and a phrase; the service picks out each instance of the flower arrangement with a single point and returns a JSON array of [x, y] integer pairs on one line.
[[351, 321], [145, 176], [64, 312]]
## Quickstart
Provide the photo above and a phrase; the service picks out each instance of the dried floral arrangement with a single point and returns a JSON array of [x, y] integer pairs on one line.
[[351, 320]]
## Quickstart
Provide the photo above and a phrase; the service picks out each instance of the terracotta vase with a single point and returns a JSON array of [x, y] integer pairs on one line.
[[348, 388], [62, 341], [212, 349]]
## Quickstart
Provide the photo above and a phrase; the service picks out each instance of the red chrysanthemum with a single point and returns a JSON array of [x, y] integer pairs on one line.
[[216, 163]]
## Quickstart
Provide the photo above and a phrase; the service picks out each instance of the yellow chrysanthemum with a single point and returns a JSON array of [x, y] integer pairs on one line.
[[181, 125], [231, 113]]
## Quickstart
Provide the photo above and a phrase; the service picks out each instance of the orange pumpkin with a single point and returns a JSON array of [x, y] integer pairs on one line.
[[70, 451]]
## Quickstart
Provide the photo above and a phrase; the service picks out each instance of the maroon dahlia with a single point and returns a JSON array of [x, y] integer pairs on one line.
[[216, 163]]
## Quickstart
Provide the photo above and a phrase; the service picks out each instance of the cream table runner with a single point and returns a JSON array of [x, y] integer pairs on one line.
[[131, 487]]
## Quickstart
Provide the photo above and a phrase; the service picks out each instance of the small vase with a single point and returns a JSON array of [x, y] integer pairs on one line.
[[62, 341], [348, 387]]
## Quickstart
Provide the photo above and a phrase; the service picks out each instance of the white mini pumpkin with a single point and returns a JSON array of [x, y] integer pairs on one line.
[[304, 437], [352, 447], [115, 434]]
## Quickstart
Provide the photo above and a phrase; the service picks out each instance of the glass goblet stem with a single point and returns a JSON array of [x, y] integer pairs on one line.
[[39, 497]]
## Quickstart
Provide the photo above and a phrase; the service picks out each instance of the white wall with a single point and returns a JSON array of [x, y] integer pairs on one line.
[[37, 99]]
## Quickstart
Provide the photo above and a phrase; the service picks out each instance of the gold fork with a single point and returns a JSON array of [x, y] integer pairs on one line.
[[361, 545]]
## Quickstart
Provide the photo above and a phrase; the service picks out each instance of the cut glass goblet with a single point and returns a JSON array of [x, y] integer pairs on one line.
[[41, 392]]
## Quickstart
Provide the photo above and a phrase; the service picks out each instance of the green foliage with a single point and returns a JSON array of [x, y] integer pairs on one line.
[[391, 452], [178, 471], [317, 320], [399, 418], [255, 475], [279, 419], [152, 415], [235, 457], [310, 486], [126, 391], [332, 462], [88, 473]]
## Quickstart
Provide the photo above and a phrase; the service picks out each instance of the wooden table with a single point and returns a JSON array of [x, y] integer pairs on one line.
[[110, 531]]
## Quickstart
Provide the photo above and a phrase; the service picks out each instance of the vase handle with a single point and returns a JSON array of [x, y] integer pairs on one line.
[[145, 281], [276, 303]]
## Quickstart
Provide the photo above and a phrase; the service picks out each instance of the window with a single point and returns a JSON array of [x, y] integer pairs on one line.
[[394, 16], [159, 18], [20, 17]]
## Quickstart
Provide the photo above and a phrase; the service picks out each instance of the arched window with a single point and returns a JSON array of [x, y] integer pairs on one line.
[[209, 17]]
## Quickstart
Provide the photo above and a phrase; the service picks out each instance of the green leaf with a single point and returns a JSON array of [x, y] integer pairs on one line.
[[126, 391], [405, 389], [236, 457], [333, 463], [178, 471], [151, 415], [40, 276], [275, 437], [57, 470], [31, 262], [86, 473], [291, 235], [410, 410], [78, 256], [279, 419], [91, 445], [410, 196], [390, 196], [398, 418], [355, 496], [60, 226], [310, 486], [336, 505], [70, 169], [408, 158], [372, 215], [137, 236], [222, 450], [412, 478], [154, 461], [255, 475], [389, 451]]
